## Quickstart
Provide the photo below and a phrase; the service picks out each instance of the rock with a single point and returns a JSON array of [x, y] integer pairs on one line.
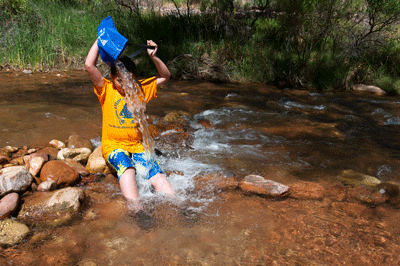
[[305, 190], [368, 88], [27, 72], [216, 181], [352, 178], [77, 166], [172, 140], [47, 185], [256, 184], [50, 151], [8, 150], [17, 161], [76, 141], [80, 154], [204, 123], [35, 165], [60, 172], [8, 204], [96, 163], [4, 159], [57, 144], [176, 117], [12, 232], [14, 179], [52, 208], [369, 195], [90, 179]]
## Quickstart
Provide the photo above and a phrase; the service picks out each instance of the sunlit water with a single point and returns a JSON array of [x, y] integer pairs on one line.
[[283, 135]]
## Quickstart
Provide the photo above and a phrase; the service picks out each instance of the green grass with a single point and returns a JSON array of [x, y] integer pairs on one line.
[[55, 34]]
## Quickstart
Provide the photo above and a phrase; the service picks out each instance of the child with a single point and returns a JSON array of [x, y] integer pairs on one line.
[[121, 142]]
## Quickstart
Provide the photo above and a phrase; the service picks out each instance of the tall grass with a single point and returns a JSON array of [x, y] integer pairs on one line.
[[298, 49]]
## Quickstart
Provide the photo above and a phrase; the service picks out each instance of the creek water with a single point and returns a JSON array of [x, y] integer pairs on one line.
[[292, 137]]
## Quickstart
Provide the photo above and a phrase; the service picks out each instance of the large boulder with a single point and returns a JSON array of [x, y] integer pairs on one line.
[[60, 172], [255, 184], [8, 204], [14, 179], [12, 232], [52, 208]]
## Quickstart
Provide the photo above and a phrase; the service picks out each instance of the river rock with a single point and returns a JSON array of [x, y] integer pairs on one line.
[[52, 208], [4, 159], [35, 165], [47, 185], [57, 144], [305, 190], [50, 151], [76, 141], [255, 184], [368, 88], [96, 163], [177, 117], [12, 232], [352, 178], [8, 204], [77, 166], [8, 150], [14, 179], [80, 154], [60, 172]]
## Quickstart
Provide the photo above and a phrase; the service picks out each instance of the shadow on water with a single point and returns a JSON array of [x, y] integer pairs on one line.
[[299, 138]]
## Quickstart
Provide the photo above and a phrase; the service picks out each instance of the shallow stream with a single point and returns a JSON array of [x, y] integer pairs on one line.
[[297, 138]]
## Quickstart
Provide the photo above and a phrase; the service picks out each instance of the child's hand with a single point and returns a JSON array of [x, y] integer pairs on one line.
[[152, 52]]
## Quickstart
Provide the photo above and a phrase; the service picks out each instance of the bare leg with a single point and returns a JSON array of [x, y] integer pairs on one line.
[[161, 184], [129, 189]]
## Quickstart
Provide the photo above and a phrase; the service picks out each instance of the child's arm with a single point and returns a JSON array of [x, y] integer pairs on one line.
[[91, 68], [162, 69]]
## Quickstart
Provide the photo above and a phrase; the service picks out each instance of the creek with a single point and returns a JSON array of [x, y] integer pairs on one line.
[[298, 138]]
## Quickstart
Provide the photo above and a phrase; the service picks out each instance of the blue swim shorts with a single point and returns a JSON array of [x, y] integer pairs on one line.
[[122, 160]]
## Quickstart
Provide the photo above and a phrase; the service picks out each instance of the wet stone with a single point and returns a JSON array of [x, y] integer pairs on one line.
[[60, 172], [8, 204], [14, 179], [352, 178], [79, 154], [12, 232], [57, 144], [76, 141], [307, 191], [255, 184]]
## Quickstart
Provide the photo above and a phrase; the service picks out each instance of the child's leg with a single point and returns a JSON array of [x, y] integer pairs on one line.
[[161, 184], [128, 185]]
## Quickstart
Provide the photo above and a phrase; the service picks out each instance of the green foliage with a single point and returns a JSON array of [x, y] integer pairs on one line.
[[15, 6], [323, 44]]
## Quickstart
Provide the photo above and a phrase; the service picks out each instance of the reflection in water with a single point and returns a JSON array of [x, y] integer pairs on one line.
[[297, 138]]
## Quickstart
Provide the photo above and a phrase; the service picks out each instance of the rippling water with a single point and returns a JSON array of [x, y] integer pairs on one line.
[[287, 136]]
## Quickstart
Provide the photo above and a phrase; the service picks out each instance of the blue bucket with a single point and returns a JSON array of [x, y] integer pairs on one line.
[[110, 42]]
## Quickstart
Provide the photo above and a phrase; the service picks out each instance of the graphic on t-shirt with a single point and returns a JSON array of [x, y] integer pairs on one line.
[[124, 116]]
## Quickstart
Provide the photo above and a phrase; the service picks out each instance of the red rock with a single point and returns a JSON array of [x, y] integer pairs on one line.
[[77, 166], [307, 190], [60, 172], [52, 152], [256, 184], [76, 141], [8, 204]]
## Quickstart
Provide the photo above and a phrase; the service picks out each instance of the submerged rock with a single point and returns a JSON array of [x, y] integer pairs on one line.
[[8, 204], [256, 184], [52, 208], [352, 178], [14, 179], [216, 181], [12, 232]]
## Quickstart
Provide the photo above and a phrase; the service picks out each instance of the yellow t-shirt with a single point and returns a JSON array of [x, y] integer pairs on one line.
[[119, 130]]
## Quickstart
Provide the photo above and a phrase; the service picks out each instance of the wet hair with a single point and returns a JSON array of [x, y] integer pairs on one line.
[[128, 63]]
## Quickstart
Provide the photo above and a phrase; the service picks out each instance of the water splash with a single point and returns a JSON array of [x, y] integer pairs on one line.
[[136, 103]]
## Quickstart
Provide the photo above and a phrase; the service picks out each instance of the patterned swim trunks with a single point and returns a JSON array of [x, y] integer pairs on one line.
[[122, 160]]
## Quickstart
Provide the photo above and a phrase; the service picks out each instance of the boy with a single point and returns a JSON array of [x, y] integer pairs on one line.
[[121, 142]]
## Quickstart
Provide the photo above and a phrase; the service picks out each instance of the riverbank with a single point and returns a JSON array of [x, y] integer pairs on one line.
[[220, 41]]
